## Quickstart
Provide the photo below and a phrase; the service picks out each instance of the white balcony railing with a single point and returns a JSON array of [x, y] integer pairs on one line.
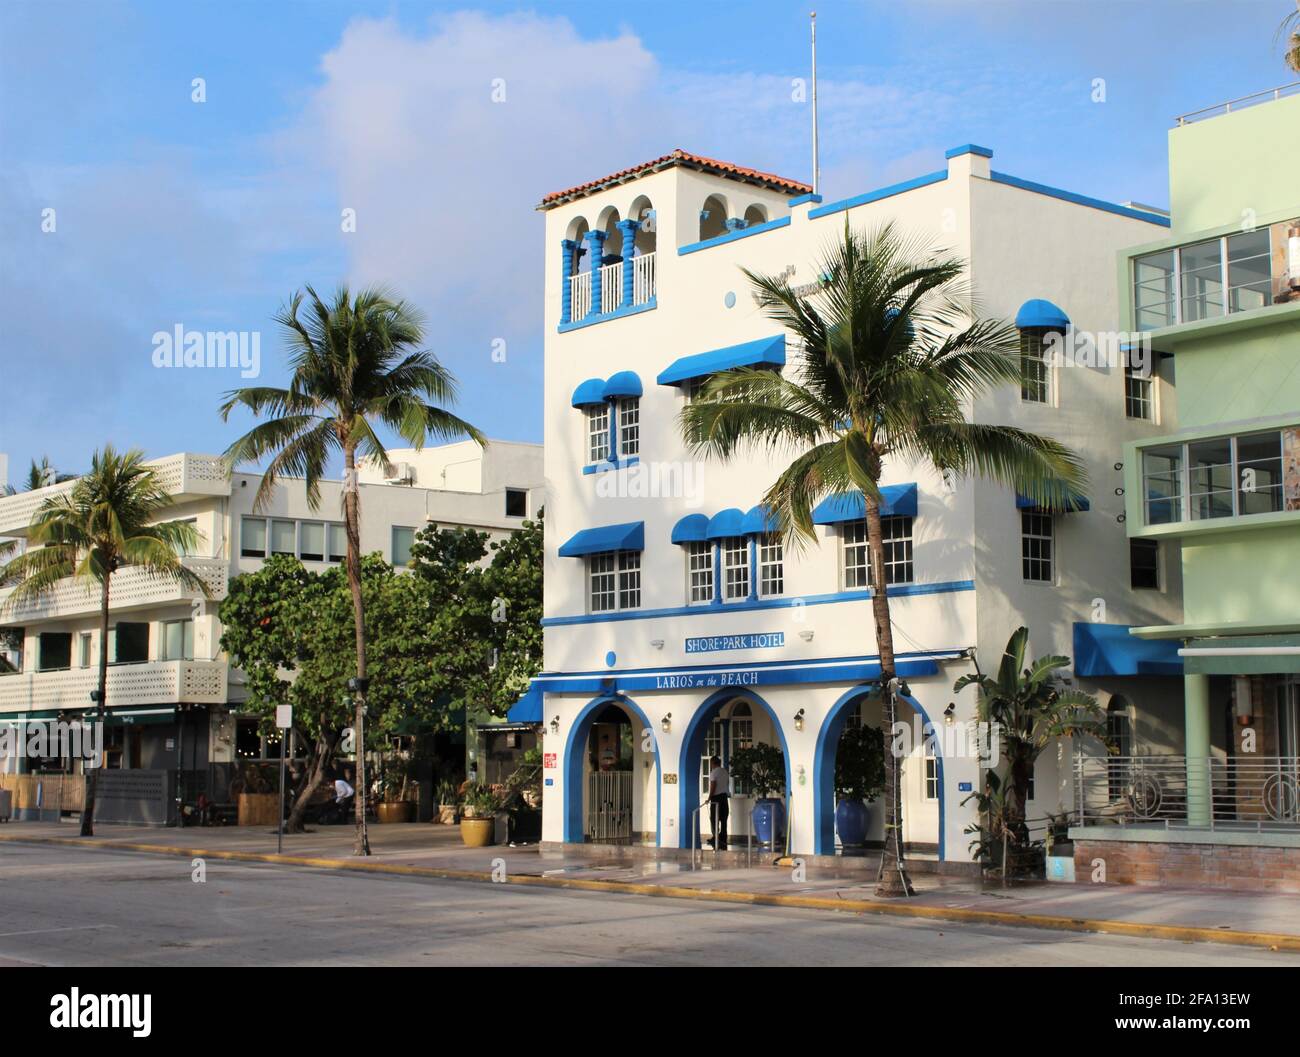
[[150, 683], [611, 287], [1247, 792], [1239, 104], [643, 278], [132, 588], [181, 475], [579, 295]]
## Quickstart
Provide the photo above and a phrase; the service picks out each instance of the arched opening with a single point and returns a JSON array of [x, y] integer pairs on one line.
[[755, 214], [611, 776], [921, 775], [713, 217], [608, 223], [577, 233], [726, 721], [643, 212]]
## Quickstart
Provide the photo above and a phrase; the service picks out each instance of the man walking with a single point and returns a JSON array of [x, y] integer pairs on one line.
[[719, 794]]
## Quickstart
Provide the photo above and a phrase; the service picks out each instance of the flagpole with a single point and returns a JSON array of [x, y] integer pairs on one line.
[[816, 167]]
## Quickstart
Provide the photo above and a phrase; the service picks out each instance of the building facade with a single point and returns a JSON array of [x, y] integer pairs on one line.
[[173, 701], [676, 627]]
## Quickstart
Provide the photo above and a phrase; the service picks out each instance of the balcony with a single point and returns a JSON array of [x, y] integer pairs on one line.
[[132, 588], [150, 683], [618, 297], [184, 476]]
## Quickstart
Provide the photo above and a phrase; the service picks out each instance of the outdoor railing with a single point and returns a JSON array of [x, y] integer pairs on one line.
[[133, 587], [1246, 792], [1240, 104], [611, 287]]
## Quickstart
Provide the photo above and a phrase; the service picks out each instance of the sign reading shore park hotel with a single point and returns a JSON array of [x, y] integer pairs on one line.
[[683, 620]]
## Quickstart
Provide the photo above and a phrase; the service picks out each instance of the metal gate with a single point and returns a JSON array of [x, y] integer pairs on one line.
[[609, 807]]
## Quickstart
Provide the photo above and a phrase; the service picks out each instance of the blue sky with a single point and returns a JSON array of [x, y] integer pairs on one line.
[[210, 214]]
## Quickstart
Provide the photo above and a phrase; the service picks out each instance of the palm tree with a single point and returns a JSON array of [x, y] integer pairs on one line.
[[888, 357], [355, 362], [106, 521], [1290, 31]]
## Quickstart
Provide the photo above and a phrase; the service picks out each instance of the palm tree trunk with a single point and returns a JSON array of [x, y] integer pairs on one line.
[[352, 519], [92, 779], [893, 879]]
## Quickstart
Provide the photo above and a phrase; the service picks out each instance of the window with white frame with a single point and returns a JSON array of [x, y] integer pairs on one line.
[[311, 541], [712, 748], [1036, 546], [1213, 478], [735, 569], [699, 572], [1036, 383], [629, 427], [931, 778], [771, 565], [896, 542], [629, 579], [1203, 280], [742, 737], [857, 561], [614, 581], [83, 650], [284, 537], [403, 541], [252, 537], [338, 543], [177, 640], [1139, 399], [598, 433]]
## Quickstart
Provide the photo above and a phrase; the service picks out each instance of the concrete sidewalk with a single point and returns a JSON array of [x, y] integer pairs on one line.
[[1251, 919]]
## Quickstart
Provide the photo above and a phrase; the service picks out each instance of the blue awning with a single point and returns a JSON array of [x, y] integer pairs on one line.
[[625, 383], [1040, 313], [629, 537], [766, 352], [1109, 649], [592, 391], [528, 709], [725, 523], [693, 528], [1071, 504], [899, 500], [758, 521]]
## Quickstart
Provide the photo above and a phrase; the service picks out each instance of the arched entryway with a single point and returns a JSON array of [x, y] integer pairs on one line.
[[611, 774], [726, 720], [922, 770]]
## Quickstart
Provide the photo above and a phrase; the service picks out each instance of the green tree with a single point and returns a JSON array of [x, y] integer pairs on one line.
[[355, 365], [1289, 33], [889, 355], [109, 519], [1030, 713]]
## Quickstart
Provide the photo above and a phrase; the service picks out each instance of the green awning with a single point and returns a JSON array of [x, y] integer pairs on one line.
[[1242, 655]]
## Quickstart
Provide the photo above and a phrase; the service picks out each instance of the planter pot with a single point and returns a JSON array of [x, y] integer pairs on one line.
[[769, 821], [258, 809], [477, 832], [447, 814], [851, 823], [395, 811]]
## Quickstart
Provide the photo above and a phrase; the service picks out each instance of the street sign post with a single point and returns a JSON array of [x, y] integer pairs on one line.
[[283, 720]]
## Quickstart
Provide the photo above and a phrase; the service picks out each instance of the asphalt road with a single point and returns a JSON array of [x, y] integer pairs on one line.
[[64, 906]]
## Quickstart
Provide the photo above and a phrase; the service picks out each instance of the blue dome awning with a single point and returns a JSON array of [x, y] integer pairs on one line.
[[899, 501], [605, 538], [758, 521], [693, 528], [528, 709], [1040, 313], [766, 352], [622, 384], [1058, 504], [592, 391], [725, 523]]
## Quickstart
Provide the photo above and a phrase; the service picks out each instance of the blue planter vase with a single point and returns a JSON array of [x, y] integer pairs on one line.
[[851, 823], [769, 821]]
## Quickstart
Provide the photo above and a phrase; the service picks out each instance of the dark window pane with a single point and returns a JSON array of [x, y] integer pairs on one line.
[[1144, 568], [130, 643], [55, 650], [516, 502]]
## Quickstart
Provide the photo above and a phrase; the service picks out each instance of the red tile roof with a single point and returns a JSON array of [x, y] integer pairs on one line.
[[677, 157]]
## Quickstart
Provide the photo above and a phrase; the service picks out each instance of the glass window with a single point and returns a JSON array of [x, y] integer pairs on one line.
[[735, 569], [598, 433], [896, 540], [312, 541], [128, 643], [1035, 386], [699, 572], [1162, 479], [1144, 565], [1153, 290], [602, 577], [284, 537], [629, 579], [1201, 274], [1249, 271], [629, 427], [54, 651], [403, 539], [1209, 485], [771, 568], [252, 537], [178, 640], [1259, 473], [1138, 402], [857, 569], [516, 502], [83, 649], [338, 543], [1036, 546], [931, 778]]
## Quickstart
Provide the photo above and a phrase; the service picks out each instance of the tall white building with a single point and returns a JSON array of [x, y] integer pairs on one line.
[[173, 701], [676, 628]]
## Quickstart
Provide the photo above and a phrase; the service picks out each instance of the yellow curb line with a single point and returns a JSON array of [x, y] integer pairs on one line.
[[1182, 933]]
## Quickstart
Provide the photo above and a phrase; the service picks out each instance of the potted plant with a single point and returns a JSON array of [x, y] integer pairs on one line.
[[859, 776], [479, 815], [448, 802], [395, 804], [761, 770]]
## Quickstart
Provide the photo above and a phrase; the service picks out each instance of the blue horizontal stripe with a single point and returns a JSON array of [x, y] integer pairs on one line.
[[578, 324], [876, 196], [732, 236], [1082, 200]]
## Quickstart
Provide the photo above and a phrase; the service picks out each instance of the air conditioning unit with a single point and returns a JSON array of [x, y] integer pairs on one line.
[[401, 473]]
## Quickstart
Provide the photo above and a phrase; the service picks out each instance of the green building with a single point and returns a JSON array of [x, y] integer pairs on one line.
[[1218, 303]]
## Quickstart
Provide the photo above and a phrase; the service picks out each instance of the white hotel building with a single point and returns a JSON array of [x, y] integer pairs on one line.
[[674, 628]]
